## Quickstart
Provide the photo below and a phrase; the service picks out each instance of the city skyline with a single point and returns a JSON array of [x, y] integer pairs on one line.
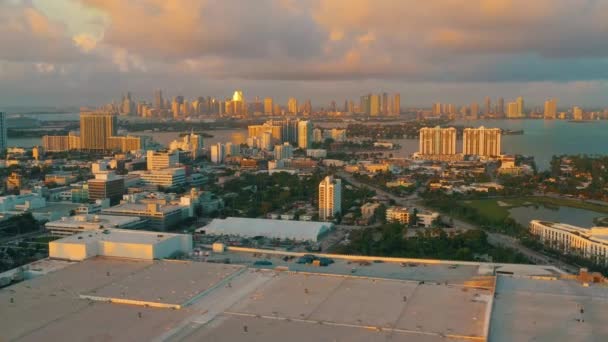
[[70, 52]]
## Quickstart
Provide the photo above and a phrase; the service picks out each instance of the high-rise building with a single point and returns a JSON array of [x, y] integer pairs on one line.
[[292, 106], [158, 100], [474, 111], [330, 198], [218, 153], [284, 151], [488, 105], [374, 105], [437, 141], [520, 106], [106, 184], [365, 104], [437, 109], [190, 142], [176, 106], [268, 106], [500, 107], [95, 129], [396, 105], [384, 106], [577, 113], [513, 110], [304, 134], [550, 109], [3, 131], [481, 141]]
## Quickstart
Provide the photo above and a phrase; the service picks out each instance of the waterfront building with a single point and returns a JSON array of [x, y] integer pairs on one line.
[[589, 243], [437, 141], [481, 141], [550, 109]]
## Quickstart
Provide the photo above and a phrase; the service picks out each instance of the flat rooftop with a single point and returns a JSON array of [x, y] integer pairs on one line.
[[93, 221], [140, 207], [540, 310], [119, 236], [115, 299]]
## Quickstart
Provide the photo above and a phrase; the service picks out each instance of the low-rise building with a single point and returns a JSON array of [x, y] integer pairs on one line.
[[78, 223], [158, 217], [167, 178], [398, 214], [590, 243], [120, 243], [369, 209], [426, 218]]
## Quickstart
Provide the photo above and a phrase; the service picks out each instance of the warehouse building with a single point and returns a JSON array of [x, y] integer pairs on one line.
[[280, 229], [120, 243]]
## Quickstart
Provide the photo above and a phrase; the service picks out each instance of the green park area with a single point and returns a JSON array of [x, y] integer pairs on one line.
[[498, 209]]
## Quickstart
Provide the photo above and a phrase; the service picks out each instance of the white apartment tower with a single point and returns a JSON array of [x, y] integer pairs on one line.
[[481, 141], [437, 141], [330, 198]]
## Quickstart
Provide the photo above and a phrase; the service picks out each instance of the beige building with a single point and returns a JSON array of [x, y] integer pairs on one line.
[[437, 141], [95, 129], [268, 106], [590, 243], [550, 109], [304, 134], [330, 198], [481, 141], [157, 160], [120, 243]]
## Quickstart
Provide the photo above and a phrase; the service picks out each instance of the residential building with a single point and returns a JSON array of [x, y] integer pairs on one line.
[[369, 209], [330, 198], [166, 178], [268, 106], [398, 214], [95, 129], [550, 109], [218, 153], [304, 134], [192, 143], [577, 113], [482, 141], [292, 106], [437, 141], [284, 151]]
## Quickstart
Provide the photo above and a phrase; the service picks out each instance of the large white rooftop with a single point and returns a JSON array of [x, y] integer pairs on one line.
[[252, 227], [118, 236]]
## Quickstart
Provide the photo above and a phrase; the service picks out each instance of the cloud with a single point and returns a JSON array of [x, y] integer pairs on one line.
[[27, 35], [196, 42]]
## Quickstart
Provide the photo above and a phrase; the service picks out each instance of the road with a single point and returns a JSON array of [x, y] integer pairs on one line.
[[495, 239]]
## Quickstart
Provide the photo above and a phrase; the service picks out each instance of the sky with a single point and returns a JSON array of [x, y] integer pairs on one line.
[[89, 52]]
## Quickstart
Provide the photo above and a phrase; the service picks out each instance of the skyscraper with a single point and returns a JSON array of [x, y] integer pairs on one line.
[[374, 105], [330, 198], [474, 110], [158, 99], [513, 110], [481, 141], [268, 106], [2, 131], [550, 109], [577, 113], [384, 106], [488, 105], [218, 153], [437, 109], [520, 106], [365, 104], [437, 141], [95, 129], [396, 105], [500, 107], [304, 134], [292, 106]]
